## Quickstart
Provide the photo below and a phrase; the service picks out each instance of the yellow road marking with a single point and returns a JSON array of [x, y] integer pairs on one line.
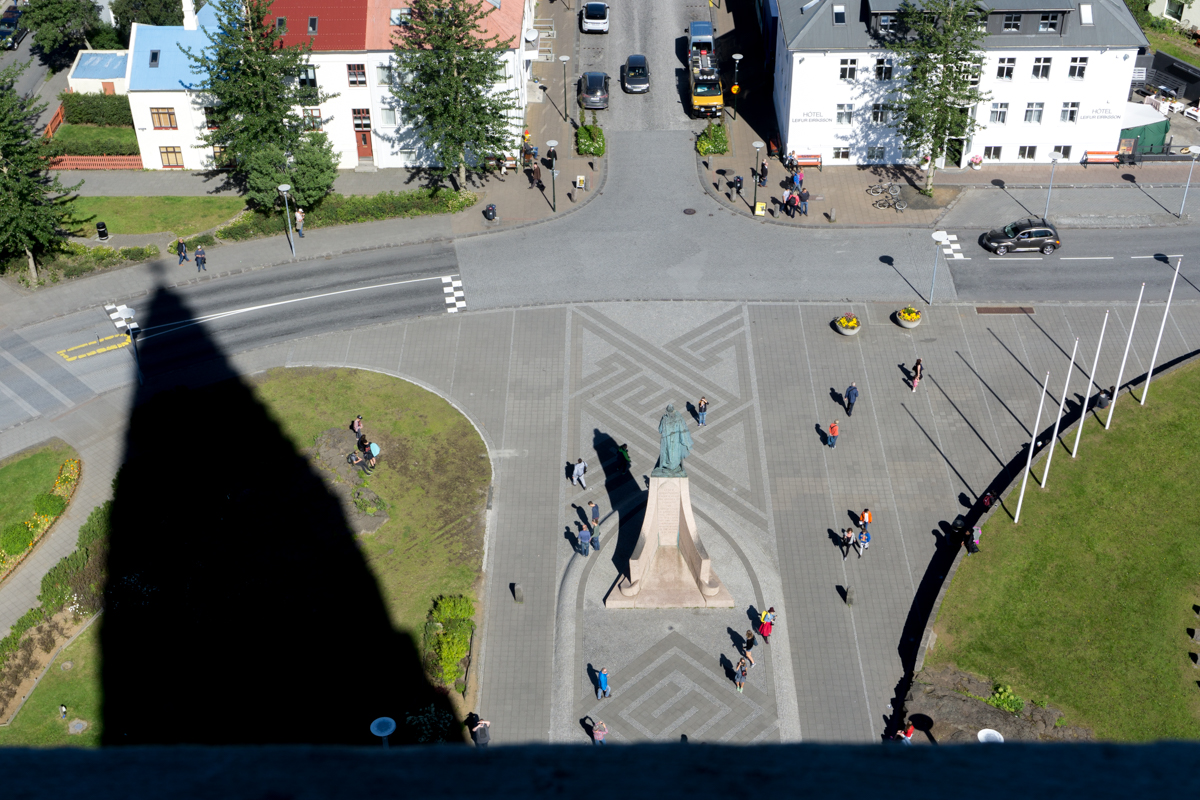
[[124, 337]]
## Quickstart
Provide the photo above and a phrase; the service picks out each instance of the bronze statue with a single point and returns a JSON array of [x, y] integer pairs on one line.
[[675, 445]]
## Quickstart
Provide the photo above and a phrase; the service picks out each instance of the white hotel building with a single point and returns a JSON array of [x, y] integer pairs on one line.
[[1058, 73]]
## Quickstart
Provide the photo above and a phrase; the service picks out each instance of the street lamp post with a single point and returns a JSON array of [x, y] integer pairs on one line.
[[939, 238], [552, 144], [564, 60], [1054, 157], [1193, 151], [737, 61], [284, 188], [754, 172]]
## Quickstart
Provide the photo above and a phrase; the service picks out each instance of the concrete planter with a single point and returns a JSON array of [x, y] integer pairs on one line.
[[907, 323], [848, 331]]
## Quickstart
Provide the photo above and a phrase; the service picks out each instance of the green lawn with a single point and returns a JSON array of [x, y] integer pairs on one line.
[[96, 140], [1087, 602], [28, 474], [1174, 45], [39, 723], [433, 472], [182, 216]]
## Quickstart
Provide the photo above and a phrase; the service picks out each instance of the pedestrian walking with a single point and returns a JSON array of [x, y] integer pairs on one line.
[[181, 250], [798, 179], [201, 259], [740, 673], [917, 372], [865, 519], [785, 202], [537, 176], [623, 451], [864, 541], [793, 205], [748, 645], [833, 434], [481, 733], [585, 540], [595, 516], [803, 198], [602, 688], [851, 399], [762, 174], [599, 732], [737, 185], [578, 473], [702, 410], [300, 222], [847, 542], [767, 624]]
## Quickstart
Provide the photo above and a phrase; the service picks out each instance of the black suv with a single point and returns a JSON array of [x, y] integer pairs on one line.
[[1025, 234]]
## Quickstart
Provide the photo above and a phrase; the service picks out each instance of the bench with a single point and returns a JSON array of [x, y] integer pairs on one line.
[[809, 161], [1101, 157]]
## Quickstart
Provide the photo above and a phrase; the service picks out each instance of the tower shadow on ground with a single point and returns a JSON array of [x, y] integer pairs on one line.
[[239, 608]]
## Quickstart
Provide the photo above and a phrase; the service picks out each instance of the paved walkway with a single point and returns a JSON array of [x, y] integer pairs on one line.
[[548, 385]]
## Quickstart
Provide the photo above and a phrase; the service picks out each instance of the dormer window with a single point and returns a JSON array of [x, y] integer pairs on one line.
[[1048, 24], [153, 59], [839, 15], [1012, 23], [312, 26], [281, 24], [1085, 14], [401, 16], [887, 22]]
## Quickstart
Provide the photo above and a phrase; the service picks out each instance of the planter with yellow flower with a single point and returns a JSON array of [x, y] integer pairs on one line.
[[848, 324], [908, 317]]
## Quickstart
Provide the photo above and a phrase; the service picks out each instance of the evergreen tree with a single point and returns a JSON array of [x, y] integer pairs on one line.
[[446, 87], [147, 12], [311, 172], [253, 82], [32, 216], [60, 23], [940, 48]]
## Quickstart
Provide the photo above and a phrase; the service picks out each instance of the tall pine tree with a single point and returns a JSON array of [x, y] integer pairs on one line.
[[256, 83], [31, 211], [940, 48], [448, 69]]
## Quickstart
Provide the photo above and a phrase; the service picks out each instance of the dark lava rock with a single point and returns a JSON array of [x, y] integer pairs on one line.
[[344, 481]]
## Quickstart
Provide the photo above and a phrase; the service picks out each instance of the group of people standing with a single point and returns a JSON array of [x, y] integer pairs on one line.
[[366, 452]]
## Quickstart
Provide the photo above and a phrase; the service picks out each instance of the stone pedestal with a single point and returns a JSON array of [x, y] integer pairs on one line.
[[669, 567]]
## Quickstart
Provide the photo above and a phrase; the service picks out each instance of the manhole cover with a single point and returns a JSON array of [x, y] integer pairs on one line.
[[76, 726], [689, 211], [68, 664]]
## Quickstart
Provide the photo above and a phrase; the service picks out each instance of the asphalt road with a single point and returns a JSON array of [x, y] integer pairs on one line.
[[31, 80]]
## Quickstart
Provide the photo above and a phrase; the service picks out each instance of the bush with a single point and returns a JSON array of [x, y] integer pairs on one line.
[[14, 539], [111, 110], [589, 140], [72, 140], [448, 636], [9, 644], [448, 609], [1004, 699], [50, 505], [713, 139], [139, 253], [206, 239]]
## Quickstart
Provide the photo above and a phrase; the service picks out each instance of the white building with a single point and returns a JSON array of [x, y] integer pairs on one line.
[[1175, 10], [351, 58], [1058, 74]]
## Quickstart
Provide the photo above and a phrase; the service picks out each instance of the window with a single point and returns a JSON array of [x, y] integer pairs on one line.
[[976, 72], [841, 153], [1085, 12], [210, 118], [356, 74], [401, 16], [883, 69], [1175, 10], [312, 26], [389, 116], [839, 15], [849, 69], [312, 119], [281, 24], [163, 119], [1048, 23], [1033, 112], [1026, 152], [991, 154], [172, 157], [383, 75], [1070, 112], [879, 112], [1000, 113], [154, 59], [308, 77], [887, 22], [845, 113], [1078, 67], [1041, 67], [220, 156], [1012, 23], [1005, 70], [1064, 152], [875, 155], [362, 118]]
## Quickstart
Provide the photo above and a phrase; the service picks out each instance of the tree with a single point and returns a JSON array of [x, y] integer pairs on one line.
[[311, 172], [147, 12], [447, 87], [59, 23], [253, 82], [939, 47], [33, 214]]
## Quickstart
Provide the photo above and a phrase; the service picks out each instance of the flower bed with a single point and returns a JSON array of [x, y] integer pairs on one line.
[[18, 539]]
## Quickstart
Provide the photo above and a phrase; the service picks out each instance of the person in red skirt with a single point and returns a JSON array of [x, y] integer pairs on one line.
[[766, 624]]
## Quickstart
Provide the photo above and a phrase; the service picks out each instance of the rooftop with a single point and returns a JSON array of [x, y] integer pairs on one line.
[[172, 70], [100, 64]]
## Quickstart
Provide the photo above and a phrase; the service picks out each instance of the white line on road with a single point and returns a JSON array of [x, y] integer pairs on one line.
[[174, 326], [1177, 255], [1085, 258]]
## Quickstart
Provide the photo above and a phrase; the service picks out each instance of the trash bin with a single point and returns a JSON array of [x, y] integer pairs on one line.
[[489, 212], [102, 231]]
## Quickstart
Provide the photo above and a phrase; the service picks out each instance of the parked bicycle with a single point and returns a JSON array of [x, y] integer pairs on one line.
[[891, 202], [891, 188]]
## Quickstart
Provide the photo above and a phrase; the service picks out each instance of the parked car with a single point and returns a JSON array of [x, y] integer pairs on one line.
[[1025, 234], [593, 90], [635, 74], [594, 18], [10, 37]]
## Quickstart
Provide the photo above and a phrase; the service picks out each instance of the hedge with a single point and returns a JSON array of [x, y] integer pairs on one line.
[[111, 110], [589, 140]]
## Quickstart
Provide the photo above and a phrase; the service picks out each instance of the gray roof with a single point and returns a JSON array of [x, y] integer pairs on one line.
[[813, 28]]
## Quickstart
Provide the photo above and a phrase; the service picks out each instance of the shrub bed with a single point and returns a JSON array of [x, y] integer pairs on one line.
[[714, 139], [448, 640], [339, 209], [589, 140], [89, 140], [110, 110], [17, 536]]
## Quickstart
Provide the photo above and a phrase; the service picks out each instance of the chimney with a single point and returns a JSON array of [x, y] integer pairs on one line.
[[189, 15]]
